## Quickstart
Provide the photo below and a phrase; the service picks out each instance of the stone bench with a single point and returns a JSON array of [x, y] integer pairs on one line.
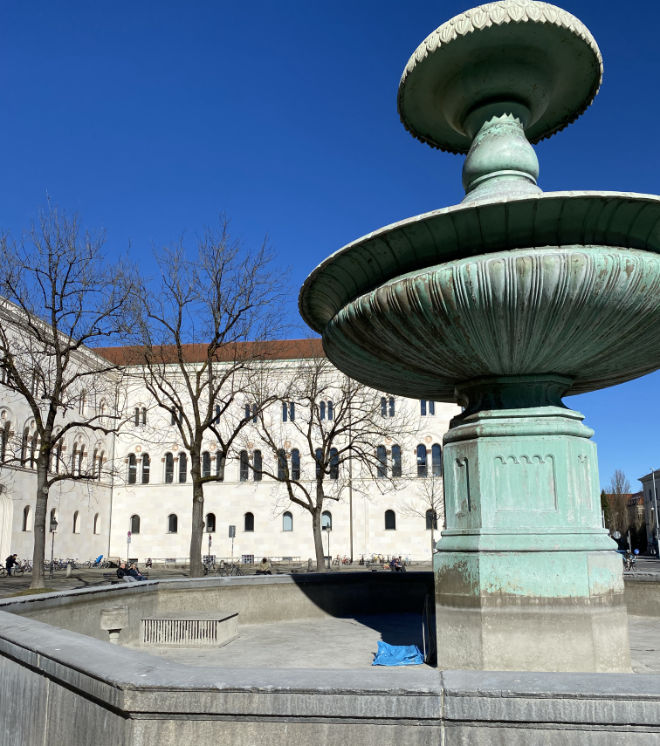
[[189, 629]]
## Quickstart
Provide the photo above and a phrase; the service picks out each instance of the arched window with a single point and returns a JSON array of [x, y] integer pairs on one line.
[[257, 466], [431, 520], [206, 464], [57, 457], [34, 450], [381, 458], [331, 410], [210, 523], [132, 468], [82, 405], [172, 523], [281, 464], [74, 458], [244, 467], [169, 468], [295, 464], [326, 519], [81, 458], [99, 464], [220, 465], [390, 520], [76, 523], [322, 410], [436, 460], [146, 466], [136, 416], [421, 460], [396, 461], [135, 524], [4, 441], [334, 463], [287, 521], [97, 524], [183, 467], [24, 446], [318, 453], [248, 522], [26, 518]]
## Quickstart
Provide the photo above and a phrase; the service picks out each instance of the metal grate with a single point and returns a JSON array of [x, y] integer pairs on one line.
[[189, 629]]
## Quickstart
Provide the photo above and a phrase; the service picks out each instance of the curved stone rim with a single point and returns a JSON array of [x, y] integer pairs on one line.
[[603, 218], [486, 19], [492, 316]]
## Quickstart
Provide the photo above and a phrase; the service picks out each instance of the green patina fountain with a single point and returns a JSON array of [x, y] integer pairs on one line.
[[505, 303]]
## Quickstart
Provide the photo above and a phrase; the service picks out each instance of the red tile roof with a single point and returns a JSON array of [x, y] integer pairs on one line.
[[281, 349]]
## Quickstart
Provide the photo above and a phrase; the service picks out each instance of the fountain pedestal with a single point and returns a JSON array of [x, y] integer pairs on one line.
[[505, 303], [526, 577]]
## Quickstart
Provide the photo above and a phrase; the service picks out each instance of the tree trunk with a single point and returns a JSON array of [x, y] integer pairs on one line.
[[39, 528], [318, 541], [197, 530]]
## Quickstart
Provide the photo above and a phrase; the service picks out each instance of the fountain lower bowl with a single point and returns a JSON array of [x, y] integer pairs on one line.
[[589, 313]]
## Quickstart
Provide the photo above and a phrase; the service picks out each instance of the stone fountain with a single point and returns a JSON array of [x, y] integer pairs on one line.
[[506, 303]]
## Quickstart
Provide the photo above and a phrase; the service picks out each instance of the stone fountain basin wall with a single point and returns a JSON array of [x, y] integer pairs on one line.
[[60, 686], [258, 600]]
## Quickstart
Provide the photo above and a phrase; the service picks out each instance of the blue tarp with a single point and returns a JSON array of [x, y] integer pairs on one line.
[[397, 655]]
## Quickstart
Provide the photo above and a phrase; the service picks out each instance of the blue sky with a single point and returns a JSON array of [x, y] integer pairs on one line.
[[150, 119]]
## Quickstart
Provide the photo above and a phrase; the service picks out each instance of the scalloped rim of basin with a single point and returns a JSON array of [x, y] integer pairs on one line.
[[577, 218], [521, 312]]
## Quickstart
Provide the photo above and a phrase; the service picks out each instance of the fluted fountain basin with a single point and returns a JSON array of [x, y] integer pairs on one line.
[[561, 283]]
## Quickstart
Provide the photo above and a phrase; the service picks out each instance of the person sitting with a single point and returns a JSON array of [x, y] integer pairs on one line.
[[264, 568], [121, 570], [149, 562], [135, 573]]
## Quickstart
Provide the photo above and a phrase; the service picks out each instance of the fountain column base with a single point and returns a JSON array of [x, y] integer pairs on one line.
[[526, 577]]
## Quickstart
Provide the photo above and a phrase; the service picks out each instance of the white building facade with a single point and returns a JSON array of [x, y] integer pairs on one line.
[[141, 485]]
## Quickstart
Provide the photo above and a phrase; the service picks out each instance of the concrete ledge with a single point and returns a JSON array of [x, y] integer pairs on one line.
[[117, 695]]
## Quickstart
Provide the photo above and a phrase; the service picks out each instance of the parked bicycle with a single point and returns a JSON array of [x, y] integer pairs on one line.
[[231, 569]]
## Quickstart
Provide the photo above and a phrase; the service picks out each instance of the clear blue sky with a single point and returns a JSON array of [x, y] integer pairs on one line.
[[151, 118]]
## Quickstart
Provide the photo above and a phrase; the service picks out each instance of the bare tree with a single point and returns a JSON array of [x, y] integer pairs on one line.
[[194, 350], [429, 505], [617, 493], [60, 298], [339, 424]]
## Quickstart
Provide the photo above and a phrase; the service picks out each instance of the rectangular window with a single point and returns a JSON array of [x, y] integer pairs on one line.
[[387, 406]]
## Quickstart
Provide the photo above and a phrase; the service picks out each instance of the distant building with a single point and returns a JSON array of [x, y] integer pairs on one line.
[[139, 482], [651, 489]]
